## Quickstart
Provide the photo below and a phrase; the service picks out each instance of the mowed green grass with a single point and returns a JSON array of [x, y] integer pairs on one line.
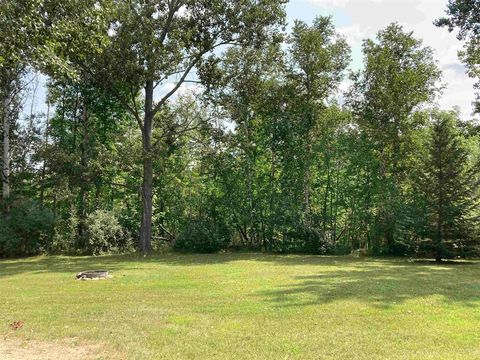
[[248, 306]]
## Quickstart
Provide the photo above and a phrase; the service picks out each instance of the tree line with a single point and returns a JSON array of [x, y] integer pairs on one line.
[[206, 125]]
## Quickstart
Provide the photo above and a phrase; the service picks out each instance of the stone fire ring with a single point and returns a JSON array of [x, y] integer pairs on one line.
[[93, 275]]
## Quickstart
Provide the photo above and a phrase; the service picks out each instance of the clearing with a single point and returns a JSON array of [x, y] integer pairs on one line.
[[239, 306]]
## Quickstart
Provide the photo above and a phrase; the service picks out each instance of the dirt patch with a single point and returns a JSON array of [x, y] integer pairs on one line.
[[18, 349]]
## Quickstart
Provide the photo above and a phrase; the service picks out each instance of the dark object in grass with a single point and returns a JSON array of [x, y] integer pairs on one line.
[[92, 275], [16, 325]]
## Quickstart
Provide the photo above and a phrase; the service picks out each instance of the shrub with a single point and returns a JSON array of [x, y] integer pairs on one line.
[[204, 235], [66, 234], [105, 234], [303, 239], [26, 228], [341, 248]]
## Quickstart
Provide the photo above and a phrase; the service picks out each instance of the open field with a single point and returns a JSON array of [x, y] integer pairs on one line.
[[242, 306]]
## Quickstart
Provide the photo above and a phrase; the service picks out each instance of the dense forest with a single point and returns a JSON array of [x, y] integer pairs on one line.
[[211, 125]]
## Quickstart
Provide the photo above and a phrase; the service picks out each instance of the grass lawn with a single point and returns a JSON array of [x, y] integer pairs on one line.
[[246, 306]]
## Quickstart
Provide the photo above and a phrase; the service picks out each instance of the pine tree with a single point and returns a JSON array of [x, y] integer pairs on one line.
[[449, 186]]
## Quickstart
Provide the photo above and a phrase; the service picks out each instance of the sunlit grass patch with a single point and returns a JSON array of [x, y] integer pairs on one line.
[[244, 306]]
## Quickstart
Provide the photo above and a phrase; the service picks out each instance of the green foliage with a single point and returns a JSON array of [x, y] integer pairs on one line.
[[400, 76], [318, 57], [105, 234], [463, 15], [26, 228], [204, 235], [449, 184], [302, 239], [262, 156]]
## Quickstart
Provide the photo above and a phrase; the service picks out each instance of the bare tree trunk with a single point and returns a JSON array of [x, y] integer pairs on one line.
[[147, 211], [83, 184], [147, 192], [325, 198], [271, 221], [335, 206], [44, 164], [74, 129], [440, 216], [306, 197], [6, 150]]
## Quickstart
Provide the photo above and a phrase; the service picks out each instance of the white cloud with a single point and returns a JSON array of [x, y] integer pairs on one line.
[[329, 3], [354, 34], [367, 17]]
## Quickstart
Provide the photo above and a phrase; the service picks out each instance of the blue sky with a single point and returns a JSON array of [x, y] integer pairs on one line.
[[360, 19], [308, 10]]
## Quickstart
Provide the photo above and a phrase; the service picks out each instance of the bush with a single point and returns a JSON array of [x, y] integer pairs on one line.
[[342, 248], [204, 235], [26, 228], [66, 234], [303, 239], [105, 234]]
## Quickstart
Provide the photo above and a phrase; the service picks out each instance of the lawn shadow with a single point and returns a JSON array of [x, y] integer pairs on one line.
[[382, 283], [62, 264], [75, 264]]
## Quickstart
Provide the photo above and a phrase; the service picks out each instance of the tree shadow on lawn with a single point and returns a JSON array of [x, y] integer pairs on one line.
[[74, 264], [380, 281], [61, 264], [382, 286]]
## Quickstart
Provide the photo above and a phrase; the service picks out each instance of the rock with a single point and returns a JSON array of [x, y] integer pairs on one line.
[[92, 275]]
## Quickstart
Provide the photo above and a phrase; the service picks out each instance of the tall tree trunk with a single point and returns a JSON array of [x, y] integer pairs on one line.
[[440, 212], [44, 164], [147, 192], [252, 210], [272, 219], [306, 198], [326, 197], [6, 150], [83, 184], [335, 206], [391, 224], [74, 130]]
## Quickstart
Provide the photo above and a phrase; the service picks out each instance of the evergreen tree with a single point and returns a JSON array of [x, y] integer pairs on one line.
[[449, 185]]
